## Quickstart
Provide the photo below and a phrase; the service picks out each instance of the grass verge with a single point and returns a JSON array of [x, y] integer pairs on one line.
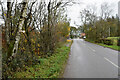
[[51, 67], [110, 46], [115, 47]]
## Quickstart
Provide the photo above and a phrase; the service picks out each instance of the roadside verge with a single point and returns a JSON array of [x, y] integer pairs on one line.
[[114, 47], [51, 67]]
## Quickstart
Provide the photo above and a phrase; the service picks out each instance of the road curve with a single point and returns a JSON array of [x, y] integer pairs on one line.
[[88, 60]]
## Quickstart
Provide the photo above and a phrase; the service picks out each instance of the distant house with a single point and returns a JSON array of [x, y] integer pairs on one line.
[[82, 34]]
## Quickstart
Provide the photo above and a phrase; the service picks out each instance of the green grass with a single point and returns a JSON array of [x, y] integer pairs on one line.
[[51, 67], [114, 46], [110, 46]]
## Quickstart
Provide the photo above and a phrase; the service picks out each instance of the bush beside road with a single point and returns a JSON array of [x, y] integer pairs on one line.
[[51, 67], [110, 42]]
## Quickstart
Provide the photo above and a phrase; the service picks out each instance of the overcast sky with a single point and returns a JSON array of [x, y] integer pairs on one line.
[[73, 11]]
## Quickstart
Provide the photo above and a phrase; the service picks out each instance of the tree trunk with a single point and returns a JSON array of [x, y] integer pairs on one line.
[[20, 26], [49, 32], [8, 21]]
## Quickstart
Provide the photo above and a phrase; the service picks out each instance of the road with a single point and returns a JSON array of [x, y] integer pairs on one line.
[[88, 60]]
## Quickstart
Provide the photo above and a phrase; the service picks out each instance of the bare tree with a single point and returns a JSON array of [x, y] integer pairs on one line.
[[105, 10], [20, 26]]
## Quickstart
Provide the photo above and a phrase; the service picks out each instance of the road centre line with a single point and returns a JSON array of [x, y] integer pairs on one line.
[[111, 62]]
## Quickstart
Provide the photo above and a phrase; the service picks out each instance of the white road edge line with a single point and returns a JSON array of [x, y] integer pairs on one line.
[[92, 49], [111, 62]]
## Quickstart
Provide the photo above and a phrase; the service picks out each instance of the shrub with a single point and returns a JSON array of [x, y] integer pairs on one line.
[[97, 41], [101, 40], [118, 42], [104, 41], [114, 39], [108, 41]]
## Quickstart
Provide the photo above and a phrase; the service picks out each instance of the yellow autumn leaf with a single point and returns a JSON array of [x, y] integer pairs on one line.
[[23, 48], [25, 40], [4, 14], [38, 52], [68, 28], [90, 28], [33, 49], [32, 40], [38, 45], [12, 34]]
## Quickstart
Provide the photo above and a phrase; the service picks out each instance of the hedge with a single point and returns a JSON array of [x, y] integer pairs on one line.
[[118, 43], [105, 41]]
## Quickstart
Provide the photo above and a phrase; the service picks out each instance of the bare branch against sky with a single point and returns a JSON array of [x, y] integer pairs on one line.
[[73, 11]]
